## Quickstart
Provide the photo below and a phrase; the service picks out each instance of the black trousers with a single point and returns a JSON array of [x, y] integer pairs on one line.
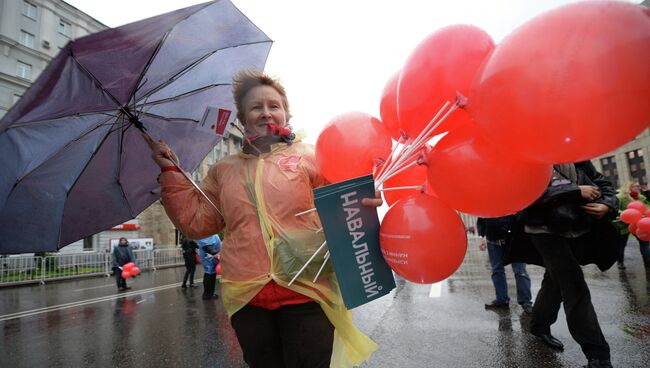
[[565, 283], [290, 337], [121, 283], [190, 268], [209, 282]]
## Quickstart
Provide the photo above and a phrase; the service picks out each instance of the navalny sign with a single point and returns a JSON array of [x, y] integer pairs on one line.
[[352, 233]]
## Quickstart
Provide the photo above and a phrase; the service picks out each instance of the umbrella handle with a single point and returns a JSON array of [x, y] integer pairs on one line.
[[178, 166]]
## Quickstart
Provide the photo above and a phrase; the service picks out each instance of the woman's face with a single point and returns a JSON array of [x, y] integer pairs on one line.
[[262, 106], [635, 188]]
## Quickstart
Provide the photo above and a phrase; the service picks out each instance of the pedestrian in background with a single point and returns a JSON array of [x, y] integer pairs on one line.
[[493, 233], [189, 248], [209, 249], [631, 191], [122, 254], [566, 225]]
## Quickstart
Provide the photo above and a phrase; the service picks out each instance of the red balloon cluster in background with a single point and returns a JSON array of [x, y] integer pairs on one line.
[[351, 145], [129, 270], [638, 217], [442, 64], [422, 239], [568, 85]]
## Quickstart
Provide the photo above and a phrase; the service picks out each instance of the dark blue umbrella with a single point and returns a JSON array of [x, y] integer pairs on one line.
[[72, 157]]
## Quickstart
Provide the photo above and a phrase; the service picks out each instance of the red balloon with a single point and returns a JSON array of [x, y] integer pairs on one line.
[[388, 107], [422, 239], [568, 85], [135, 271], [475, 177], [643, 235], [632, 228], [631, 216], [126, 275], [351, 145], [128, 266], [637, 205], [218, 269], [416, 175], [643, 225], [443, 63]]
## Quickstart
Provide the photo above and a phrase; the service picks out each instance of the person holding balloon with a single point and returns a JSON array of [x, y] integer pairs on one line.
[[256, 195], [121, 256], [561, 225], [631, 191]]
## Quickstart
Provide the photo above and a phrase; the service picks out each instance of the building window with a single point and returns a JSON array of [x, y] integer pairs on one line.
[[65, 28], [29, 10], [637, 166], [26, 39], [24, 70], [88, 243], [609, 170]]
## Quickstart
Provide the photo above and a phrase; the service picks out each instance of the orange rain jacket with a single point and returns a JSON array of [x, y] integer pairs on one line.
[[259, 198]]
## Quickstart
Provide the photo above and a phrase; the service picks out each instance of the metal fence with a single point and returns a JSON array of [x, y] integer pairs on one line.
[[21, 269]]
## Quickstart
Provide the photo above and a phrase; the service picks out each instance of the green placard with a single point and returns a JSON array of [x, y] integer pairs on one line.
[[352, 233]]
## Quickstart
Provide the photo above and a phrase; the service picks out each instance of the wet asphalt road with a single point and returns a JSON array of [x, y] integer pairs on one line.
[[86, 323]]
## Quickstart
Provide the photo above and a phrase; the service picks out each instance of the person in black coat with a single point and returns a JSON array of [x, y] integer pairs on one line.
[[567, 228], [189, 247], [121, 255]]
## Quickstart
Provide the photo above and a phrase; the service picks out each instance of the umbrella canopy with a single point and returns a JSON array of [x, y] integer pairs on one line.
[[73, 161]]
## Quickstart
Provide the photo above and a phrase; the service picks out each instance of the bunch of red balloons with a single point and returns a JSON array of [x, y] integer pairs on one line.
[[637, 216], [129, 270], [566, 86]]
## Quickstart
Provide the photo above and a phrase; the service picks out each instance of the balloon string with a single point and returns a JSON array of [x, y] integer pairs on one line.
[[399, 170], [308, 262], [327, 257], [420, 136], [417, 187], [305, 212], [425, 135], [398, 148]]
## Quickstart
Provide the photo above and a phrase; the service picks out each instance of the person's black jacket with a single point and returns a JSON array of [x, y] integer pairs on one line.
[[496, 228], [559, 209], [189, 249]]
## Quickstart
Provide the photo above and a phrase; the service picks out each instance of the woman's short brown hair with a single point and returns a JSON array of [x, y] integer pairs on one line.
[[248, 79]]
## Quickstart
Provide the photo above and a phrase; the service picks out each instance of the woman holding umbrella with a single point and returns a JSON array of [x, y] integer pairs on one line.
[[258, 192]]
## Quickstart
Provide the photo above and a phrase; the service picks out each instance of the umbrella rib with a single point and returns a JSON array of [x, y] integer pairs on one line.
[[63, 148], [67, 194], [33, 122], [159, 46], [168, 119], [117, 102], [183, 95], [195, 63]]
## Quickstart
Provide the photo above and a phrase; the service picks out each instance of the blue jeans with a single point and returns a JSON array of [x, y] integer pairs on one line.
[[522, 280]]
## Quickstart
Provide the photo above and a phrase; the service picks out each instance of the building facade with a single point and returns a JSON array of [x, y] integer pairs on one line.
[[31, 34], [627, 163]]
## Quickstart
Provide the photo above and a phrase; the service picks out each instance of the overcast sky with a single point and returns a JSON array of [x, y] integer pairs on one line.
[[335, 56]]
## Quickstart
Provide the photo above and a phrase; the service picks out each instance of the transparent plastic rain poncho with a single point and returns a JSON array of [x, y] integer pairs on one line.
[[259, 198]]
